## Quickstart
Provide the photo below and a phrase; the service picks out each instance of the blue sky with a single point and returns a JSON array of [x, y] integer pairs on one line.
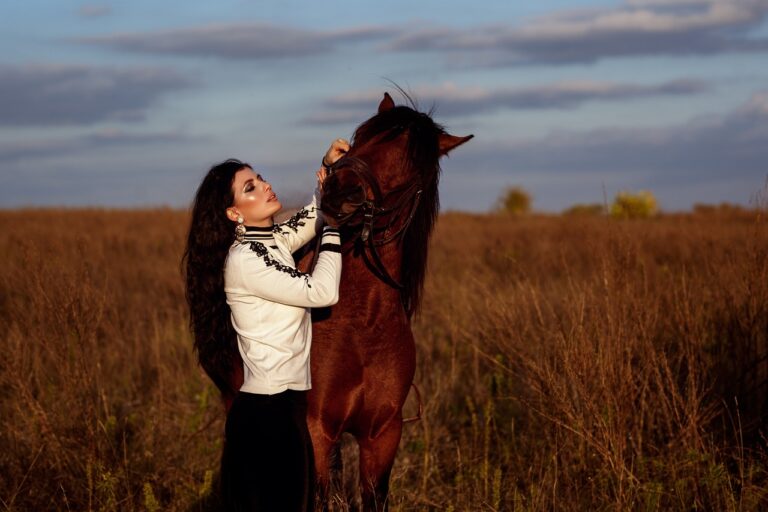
[[129, 103]]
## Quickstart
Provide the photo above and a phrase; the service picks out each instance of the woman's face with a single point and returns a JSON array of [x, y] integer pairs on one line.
[[254, 199]]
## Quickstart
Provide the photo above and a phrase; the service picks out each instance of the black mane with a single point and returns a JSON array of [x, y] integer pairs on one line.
[[423, 154]]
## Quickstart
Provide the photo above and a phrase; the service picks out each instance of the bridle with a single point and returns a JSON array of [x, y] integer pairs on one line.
[[371, 213]]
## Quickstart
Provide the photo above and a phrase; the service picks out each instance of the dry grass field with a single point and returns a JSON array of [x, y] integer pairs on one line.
[[565, 363]]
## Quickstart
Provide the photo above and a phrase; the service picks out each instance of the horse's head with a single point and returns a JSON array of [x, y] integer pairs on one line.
[[385, 189], [396, 151], [402, 145]]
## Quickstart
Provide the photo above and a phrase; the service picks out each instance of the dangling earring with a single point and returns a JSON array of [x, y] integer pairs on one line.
[[240, 229]]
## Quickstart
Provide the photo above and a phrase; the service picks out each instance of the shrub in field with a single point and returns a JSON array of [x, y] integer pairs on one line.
[[627, 205], [515, 200], [591, 209], [722, 209]]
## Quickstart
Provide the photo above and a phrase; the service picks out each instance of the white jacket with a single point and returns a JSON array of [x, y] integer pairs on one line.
[[271, 300]]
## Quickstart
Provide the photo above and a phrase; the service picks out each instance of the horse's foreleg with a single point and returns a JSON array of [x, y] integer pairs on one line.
[[376, 458], [323, 446]]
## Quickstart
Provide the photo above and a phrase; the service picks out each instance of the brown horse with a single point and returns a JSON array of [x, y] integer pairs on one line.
[[384, 193]]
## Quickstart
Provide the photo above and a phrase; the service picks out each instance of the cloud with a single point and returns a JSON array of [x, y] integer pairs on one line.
[[94, 10], [707, 147], [239, 41], [109, 138], [452, 100], [667, 3], [636, 27], [53, 94], [710, 158]]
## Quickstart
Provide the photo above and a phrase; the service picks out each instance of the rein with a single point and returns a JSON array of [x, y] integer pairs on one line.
[[374, 213]]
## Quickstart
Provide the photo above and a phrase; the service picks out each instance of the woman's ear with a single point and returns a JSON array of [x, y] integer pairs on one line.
[[232, 214]]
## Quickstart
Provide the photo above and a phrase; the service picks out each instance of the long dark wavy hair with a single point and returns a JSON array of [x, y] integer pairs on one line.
[[211, 234]]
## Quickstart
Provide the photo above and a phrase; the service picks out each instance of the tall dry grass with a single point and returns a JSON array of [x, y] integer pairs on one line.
[[565, 364]]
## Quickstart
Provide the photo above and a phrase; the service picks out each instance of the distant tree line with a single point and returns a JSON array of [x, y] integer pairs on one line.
[[516, 200]]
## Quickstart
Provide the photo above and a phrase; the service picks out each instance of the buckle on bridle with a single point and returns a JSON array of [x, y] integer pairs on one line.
[[368, 208]]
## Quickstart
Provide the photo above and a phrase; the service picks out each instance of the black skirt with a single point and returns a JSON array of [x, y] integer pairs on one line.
[[267, 464]]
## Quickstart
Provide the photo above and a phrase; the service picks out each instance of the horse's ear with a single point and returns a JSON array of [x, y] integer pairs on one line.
[[386, 104], [449, 142]]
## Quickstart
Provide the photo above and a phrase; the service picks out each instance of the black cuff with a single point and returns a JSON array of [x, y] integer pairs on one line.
[[330, 248]]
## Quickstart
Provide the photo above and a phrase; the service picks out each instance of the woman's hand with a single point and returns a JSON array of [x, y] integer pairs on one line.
[[338, 148], [321, 175], [330, 220]]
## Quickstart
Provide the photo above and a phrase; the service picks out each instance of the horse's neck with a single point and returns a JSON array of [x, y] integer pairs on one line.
[[356, 266], [360, 285]]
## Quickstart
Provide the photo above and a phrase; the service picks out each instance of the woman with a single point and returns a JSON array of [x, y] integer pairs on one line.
[[246, 296]]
